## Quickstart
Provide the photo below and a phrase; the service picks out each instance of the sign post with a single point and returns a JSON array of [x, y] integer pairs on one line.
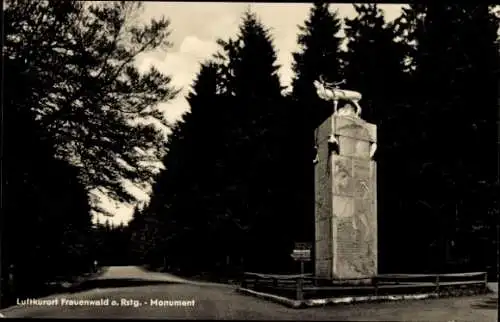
[[302, 253]]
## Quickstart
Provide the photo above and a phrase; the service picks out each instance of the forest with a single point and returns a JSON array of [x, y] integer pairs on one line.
[[236, 188]]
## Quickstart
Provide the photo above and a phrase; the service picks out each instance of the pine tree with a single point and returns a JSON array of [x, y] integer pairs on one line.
[[251, 70], [258, 161], [221, 150], [195, 209], [187, 199], [209, 125]]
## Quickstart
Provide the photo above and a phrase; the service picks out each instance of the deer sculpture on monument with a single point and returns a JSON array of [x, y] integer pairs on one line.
[[331, 92]]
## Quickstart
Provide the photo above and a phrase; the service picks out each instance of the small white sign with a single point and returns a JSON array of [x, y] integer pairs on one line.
[[301, 254]]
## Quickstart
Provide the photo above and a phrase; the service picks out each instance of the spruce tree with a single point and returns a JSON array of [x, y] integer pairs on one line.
[[250, 60], [259, 160], [183, 204], [209, 124]]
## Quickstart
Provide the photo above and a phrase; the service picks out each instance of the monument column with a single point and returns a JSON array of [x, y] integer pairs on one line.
[[345, 197]]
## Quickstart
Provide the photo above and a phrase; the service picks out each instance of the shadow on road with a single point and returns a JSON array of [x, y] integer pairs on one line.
[[203, 277], [490, 303], [116, 283], [57, 286]]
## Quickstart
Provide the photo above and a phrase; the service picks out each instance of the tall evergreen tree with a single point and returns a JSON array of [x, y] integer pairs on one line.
[[216, 183], [197, 205], [176, 204], [260, 160], [250, 61], [209, 124], [455, 91]]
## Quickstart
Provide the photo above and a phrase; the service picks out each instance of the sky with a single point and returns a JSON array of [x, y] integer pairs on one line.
[[195, 28]]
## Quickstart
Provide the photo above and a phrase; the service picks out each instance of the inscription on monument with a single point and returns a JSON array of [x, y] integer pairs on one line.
[[323, 228], [323, 267], [349, 261], [323, 249]]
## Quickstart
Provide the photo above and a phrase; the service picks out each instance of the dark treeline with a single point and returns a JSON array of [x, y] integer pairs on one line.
[[71, 92], [237, 189], [111, 244], [237, 186]]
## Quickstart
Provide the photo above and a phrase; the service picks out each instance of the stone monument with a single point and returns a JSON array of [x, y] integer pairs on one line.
[[345, 189]]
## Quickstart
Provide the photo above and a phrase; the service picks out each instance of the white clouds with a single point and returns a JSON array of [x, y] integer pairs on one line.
[[284, 18], [182, 66], [226, 24], [197, 49]]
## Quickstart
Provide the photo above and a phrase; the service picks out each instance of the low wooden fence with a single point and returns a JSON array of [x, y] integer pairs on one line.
[[306, 286]]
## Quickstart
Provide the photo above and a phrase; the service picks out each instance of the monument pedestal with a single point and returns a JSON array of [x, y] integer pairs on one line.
[[346, 201]]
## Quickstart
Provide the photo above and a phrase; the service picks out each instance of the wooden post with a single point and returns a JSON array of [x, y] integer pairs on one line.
[[300, 294], [437, 284]]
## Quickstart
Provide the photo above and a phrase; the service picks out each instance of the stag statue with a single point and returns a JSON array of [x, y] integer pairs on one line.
[[331, 92]]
